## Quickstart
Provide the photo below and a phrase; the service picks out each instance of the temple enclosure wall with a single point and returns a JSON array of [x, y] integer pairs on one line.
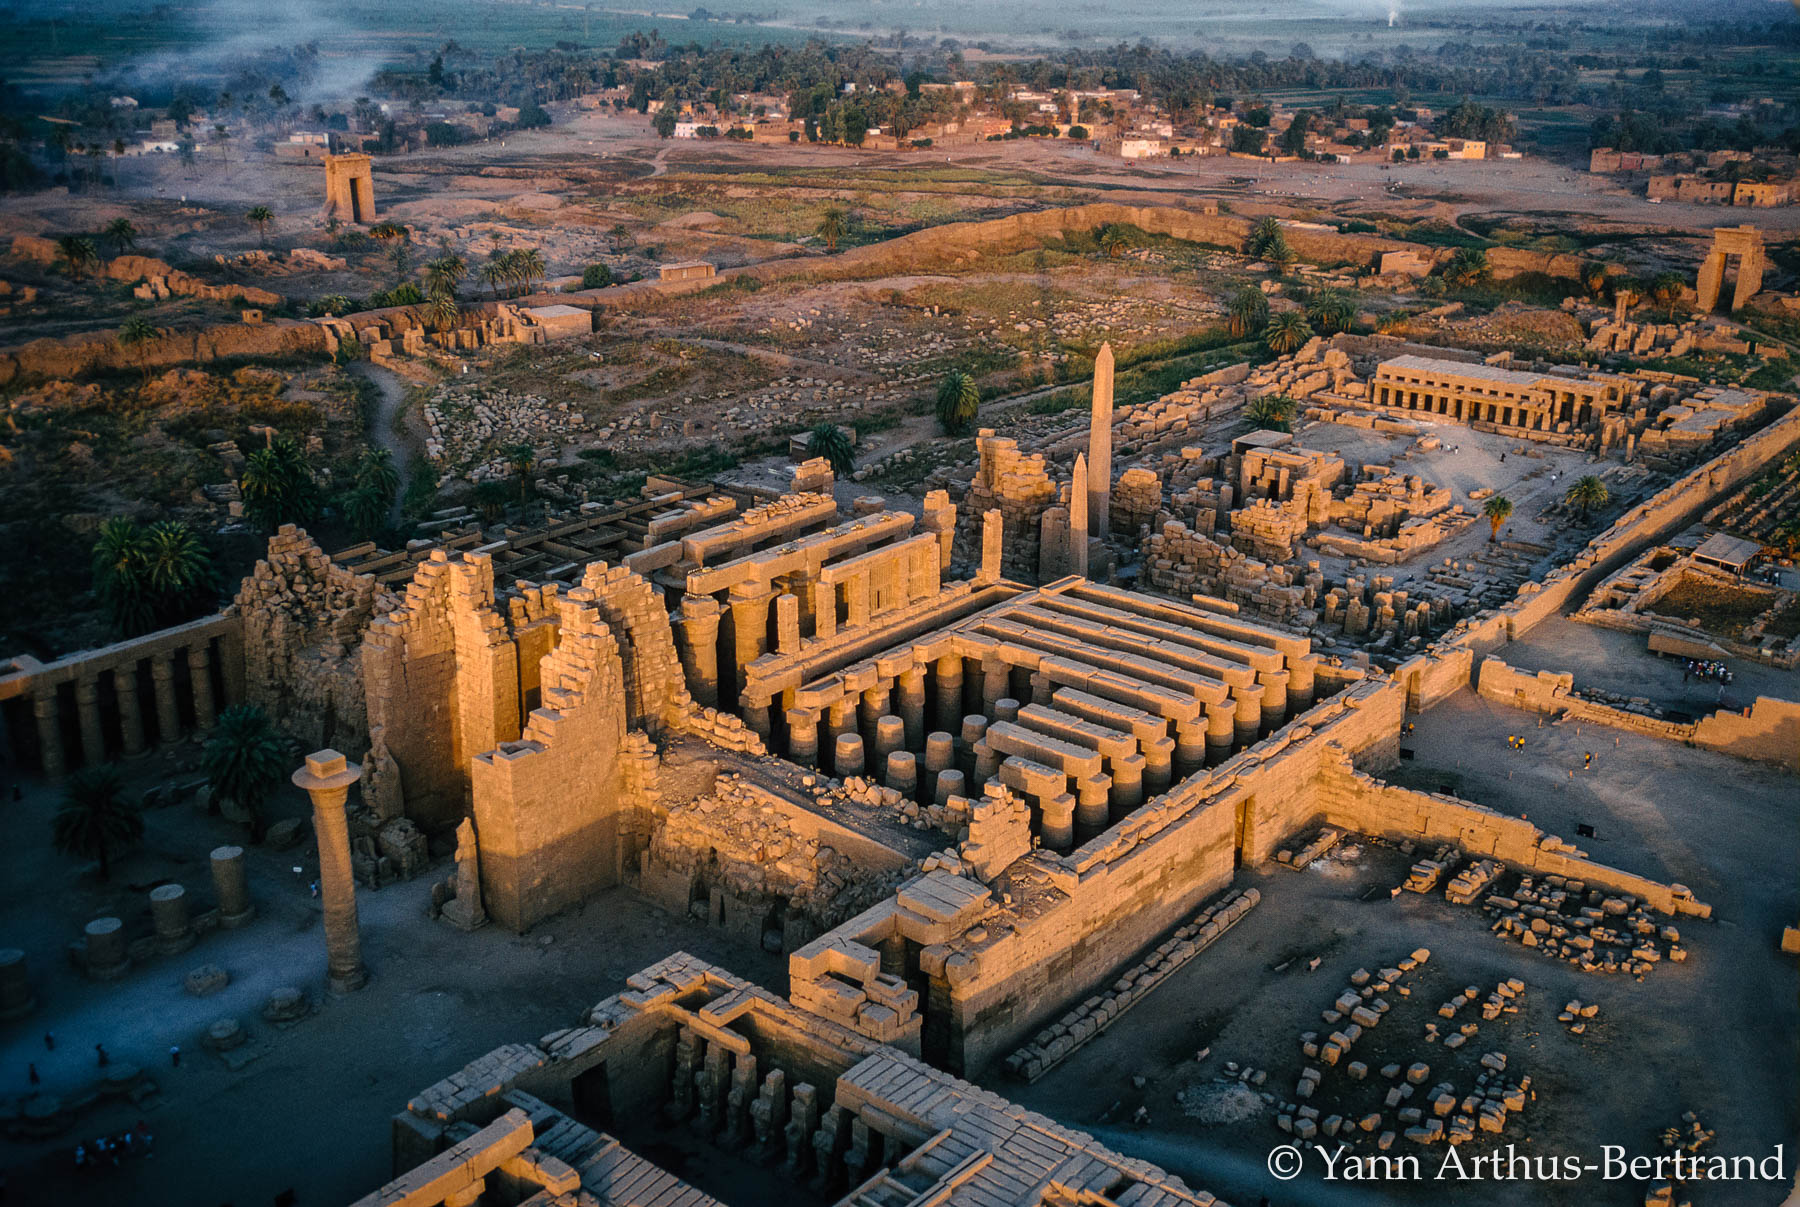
[[1768, 731], [1656, 518], [1367, 805]]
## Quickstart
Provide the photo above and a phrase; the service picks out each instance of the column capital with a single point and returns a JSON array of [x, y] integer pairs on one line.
[[325, 771]]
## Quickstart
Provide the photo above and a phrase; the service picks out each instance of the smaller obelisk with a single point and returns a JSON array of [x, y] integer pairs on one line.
[[1099, 458], [1078, 518]]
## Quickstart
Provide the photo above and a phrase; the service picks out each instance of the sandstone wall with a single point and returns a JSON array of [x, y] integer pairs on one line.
[[547, 808], [1359, 802], [1768, 731]]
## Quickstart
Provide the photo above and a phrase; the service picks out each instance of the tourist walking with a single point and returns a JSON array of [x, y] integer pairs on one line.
[[32, 1073], [175, 1055], [100, 1054]]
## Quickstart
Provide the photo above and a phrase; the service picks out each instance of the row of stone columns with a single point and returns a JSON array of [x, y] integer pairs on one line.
[[106, 950], [720, 1095], [123, 680]]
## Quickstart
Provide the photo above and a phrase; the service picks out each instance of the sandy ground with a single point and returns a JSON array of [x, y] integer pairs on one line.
[[1714, 1035], [311, 1111]]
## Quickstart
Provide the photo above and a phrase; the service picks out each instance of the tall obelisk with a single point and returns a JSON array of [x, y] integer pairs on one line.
[[1099, 458]]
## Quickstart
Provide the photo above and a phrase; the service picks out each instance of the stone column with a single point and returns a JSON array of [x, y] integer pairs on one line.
[[16, 999], [787, 623], [87, 706], [1093, 811], [940, 754], [232, 886], [106, 954], [949, 783], [326, 778], [890, 735], [749, 627], [912, 704], [825, 617], [199, 658], [995, 684], [991, 535], [840, 719], [162, 678], [756, 715], [847, 755], [169, 915], [1099, 457], [131, 716], [1221, 723], [1275, 699], [803, 736], [49, 732], [949, 690], [1248, 722], [903, 773], [698, 625], [1127, 784], [1058, 826]]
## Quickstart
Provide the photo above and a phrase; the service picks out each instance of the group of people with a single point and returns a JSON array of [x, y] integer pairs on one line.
[[1699, 669], [138, 1142]]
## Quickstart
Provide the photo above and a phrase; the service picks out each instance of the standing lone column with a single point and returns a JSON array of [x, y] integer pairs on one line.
[[49, 732], [200, 675], [162, 678], [1099, 458], [131, 717], [326, 778]]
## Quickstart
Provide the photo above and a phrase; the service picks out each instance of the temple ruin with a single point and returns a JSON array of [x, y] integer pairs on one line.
[[350, 188], [1745, 243]]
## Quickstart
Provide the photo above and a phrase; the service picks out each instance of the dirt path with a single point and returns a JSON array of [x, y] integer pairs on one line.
[[390, 398], [785, 361]]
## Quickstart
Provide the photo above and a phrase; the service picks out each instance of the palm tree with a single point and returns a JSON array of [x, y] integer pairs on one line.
[[121, 234], [178, 568], [137, 332], [1279, 253], [958, 400], [495, 274], [831, 442], [1666, 289], [1287, 332], [1264, 233], [1467, 266], [1246, 311], [1113, 240], [277, 485], [531, 267], [1331, 310], [446, 273], [77, 254], [1593, 277], [832, 225], [1497, 510], [1588, 494], [441, 310], [260, 216], [120, 577], [244, 761], [366, 509], [94, 818], [521, 457], [1270, 413], [376, 468]]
